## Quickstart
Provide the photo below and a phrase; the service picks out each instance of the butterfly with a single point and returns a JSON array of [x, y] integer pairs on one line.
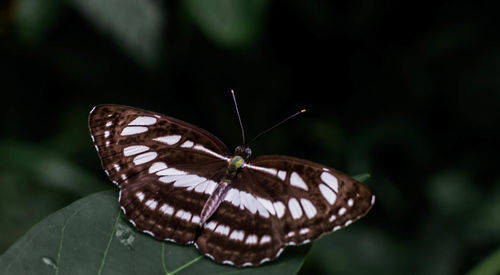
[[180, 183]]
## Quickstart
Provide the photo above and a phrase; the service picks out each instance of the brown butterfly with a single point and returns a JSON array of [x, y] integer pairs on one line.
[[180, 183]]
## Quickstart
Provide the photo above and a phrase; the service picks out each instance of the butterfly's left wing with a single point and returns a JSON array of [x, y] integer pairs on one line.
[[166, 168], [277, 201]]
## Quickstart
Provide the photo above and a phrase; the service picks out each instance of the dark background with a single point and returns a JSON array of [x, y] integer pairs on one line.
[[407, 92]]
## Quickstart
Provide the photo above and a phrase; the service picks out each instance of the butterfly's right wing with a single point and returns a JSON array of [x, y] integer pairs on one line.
[[277, 201], [166, 168]]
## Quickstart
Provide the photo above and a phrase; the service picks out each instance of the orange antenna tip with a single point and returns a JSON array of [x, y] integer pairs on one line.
[[303, 110], [232, 91]]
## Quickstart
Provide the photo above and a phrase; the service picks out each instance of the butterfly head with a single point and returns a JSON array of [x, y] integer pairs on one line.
[[244, 151]]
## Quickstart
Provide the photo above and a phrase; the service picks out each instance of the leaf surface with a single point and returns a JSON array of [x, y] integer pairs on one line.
[[91, 236]]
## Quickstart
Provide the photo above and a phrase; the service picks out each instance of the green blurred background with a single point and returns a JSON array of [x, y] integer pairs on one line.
[[408, 92]]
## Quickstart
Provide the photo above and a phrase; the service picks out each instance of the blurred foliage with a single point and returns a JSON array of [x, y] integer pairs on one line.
[[231, 24], [409, 96]]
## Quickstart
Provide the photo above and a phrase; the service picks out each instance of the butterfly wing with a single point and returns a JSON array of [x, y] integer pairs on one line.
[[165, 168], [277, 201]]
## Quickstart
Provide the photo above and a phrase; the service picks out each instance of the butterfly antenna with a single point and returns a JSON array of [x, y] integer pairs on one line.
[[239, 118], [278, 124]]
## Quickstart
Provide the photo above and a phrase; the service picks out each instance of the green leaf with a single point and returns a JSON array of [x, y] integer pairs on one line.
[[229, 23], [34, 18], [490, 265], [91, 236], [136, 26]]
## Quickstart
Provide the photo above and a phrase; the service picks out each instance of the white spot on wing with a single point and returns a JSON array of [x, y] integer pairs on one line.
[[143, 120], [109, 123], [188, 181], [187, 144], [294, 208], [282, 174], [211, 187], [134, 150], [280, 209], [222, 230], [237, 235], [350, 202], [268, 205], [200, 188], [170, 140], [132, 130], [249, 201], [233, 197], [183, 215], [151, 204], [304, 231], [167, 209], [251, 239], [262, 210], [157, 166], [297, 181], [331, 181], [146, 157], [195, 219], [170, 172], [265, 239], [140, 196], [211, 225], [328, 194], [308, 208], [106, 134], [264, 260], [117, 167], [342, 211]]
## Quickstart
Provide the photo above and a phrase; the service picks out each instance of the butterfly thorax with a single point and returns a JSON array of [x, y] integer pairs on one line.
[[220, 192]]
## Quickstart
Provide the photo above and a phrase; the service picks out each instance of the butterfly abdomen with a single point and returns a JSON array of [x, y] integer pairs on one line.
[[220, 192]]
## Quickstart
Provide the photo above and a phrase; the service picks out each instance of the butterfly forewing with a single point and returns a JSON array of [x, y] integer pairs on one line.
[[166, 168]]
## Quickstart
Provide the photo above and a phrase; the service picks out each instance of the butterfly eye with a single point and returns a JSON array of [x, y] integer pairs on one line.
[[238, 150], [248, 152]]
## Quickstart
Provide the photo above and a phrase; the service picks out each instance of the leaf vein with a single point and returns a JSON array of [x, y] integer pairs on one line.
[[103, 261]]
